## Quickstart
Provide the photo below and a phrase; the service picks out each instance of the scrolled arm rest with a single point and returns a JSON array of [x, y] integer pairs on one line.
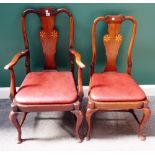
[[15, 59], [80, 67], [77, 58]]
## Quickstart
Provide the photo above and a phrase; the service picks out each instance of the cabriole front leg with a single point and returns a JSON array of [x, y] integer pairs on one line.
[[79, 118], [146, 115], [89, 114], [13, 118]]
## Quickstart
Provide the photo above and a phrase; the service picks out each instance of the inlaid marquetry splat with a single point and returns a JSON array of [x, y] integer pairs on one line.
[[112, 44], [49, 41], [112, 41]]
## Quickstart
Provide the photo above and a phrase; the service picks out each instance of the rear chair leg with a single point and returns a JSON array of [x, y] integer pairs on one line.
[[14, 120], [79, 118], [146, 114], [134, 115], [24, 114], [89, 115]]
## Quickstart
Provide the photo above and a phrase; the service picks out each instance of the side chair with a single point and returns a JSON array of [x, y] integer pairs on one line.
[[111, 90]]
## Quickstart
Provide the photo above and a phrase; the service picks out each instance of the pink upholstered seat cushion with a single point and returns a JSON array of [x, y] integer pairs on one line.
[[114, 86], [47, 88]]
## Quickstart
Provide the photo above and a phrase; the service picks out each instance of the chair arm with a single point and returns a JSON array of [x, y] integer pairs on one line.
[[77, 58], [80, 67], [15, 59], [12, 74]]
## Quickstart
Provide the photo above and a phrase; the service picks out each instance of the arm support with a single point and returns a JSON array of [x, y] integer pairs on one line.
[[80, 67], [77, 58], [12, 74], [15, 59]]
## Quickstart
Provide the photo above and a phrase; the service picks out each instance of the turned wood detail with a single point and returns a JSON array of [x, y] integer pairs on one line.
[[112, 41], [48, 35]]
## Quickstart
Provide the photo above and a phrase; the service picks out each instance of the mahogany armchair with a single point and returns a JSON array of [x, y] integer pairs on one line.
[[112, 90], [48, 90]]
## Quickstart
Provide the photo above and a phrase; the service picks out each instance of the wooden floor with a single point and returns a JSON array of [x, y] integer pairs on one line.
[[54, 131]]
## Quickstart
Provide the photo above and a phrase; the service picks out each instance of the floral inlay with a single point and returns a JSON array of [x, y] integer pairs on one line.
[[54, 34], [118, 38], [106, 38], [42, 34]]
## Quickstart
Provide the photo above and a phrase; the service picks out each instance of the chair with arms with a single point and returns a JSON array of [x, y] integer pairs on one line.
[[112, 90], [48, 90]]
